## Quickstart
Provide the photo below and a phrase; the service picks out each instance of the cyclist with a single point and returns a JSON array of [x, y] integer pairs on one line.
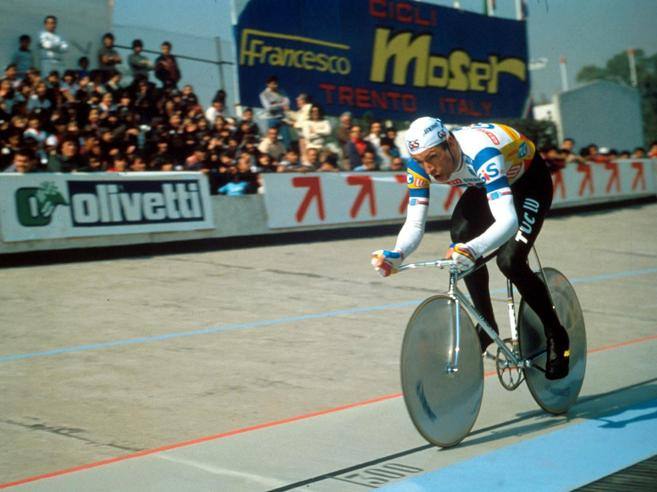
[[508, 192]]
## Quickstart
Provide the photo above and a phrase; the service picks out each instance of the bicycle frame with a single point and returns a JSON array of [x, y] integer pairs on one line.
[[460, 299]]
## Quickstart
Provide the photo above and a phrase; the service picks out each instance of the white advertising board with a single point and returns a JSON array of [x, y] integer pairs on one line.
[[44, 206], [300, 200]]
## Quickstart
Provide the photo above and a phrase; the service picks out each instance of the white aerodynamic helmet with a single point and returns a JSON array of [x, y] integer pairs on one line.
[[424, 133]]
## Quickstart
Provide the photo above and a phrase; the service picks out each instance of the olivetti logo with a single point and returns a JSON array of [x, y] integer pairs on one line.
[[35, 206], [112, 203]]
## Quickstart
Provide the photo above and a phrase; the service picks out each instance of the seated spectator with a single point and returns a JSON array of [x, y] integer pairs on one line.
[[368, 162], [108, 57], [166, 67], [67, 159], [138, 164], [140, 65], [242, 181], [328, 162], [389, 152], [119, 164], [11, 75], [374, 136], [397, 165], [639, 153], [356, 147], [311, 161], [7, 98], [216, 109], [39, 102], [265, 164], [197, 160], [624, 154], [34, 129], [247, 126], [22, 162], [290, 162], [23, 59], [83, 67], [272, 145]]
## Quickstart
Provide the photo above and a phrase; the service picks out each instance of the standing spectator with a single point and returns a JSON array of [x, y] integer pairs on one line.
[[276, 103], [108, 57], [23, 162], [139, 64], [652, 153], [52, 46], [356, 147], [301, 115], [272, 145], [568, 151], [639, 153], [315, 130], [23, 58], [166, 67]]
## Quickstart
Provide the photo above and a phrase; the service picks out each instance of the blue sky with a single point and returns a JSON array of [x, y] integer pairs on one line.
[[585, 31]]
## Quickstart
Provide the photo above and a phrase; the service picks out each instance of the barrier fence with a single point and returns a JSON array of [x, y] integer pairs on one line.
[[60, 211]]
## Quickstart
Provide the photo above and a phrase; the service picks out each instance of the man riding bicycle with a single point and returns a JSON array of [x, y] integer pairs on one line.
[[508, 194]]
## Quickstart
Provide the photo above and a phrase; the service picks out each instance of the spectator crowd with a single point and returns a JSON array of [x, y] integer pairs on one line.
[[55, 118]]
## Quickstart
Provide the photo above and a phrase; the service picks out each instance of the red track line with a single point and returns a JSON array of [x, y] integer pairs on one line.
[[266, 425]]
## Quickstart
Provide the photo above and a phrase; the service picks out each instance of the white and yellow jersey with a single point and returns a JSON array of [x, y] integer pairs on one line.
[[494, 156]]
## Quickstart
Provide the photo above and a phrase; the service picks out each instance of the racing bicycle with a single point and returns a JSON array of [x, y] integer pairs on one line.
[[441, 361]]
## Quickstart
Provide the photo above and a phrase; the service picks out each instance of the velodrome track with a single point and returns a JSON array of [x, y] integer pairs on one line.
[[276, 368]]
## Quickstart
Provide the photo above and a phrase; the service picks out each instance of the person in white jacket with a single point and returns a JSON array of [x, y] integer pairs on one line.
[[51, 47]]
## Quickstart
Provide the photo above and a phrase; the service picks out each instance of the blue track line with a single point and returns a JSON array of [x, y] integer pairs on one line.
[[561, 460], [280, 321]]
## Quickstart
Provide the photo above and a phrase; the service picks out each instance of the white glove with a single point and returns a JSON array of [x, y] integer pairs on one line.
[[463, 256], [386, 262]]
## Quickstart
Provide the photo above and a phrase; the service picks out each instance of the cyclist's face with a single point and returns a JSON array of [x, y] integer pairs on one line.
[[437, 161]]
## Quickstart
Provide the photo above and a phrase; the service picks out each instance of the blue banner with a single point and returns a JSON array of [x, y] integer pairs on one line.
[[393, 59]]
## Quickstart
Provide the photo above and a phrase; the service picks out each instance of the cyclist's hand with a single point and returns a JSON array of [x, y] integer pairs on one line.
[[386, 262], [463, 256]]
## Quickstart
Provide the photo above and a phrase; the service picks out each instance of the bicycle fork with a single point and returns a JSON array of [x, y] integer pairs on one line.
[[458, 299]]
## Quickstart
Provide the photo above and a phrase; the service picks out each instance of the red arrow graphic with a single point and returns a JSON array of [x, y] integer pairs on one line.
[[314, 193], [558, 184], [401, 179], [587, 180], [614, 177], [366, 190], [639, 176]]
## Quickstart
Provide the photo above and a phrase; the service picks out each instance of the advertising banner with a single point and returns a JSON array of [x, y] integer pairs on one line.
[[42, 206], [298, 200], [395, 59]]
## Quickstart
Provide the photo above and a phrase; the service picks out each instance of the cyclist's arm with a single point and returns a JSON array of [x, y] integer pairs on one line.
[[489, 165], [412, 231]]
